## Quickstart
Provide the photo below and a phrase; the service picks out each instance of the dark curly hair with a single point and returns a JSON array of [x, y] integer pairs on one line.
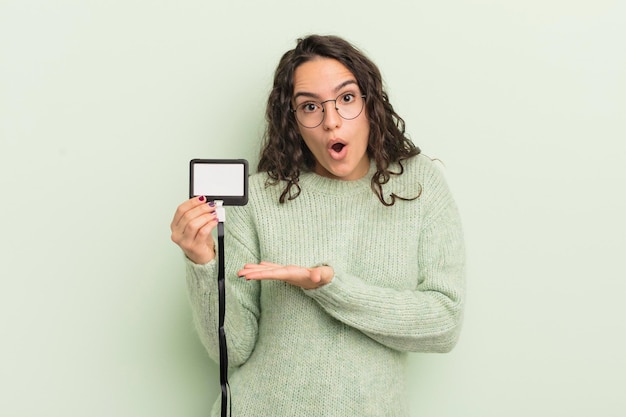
[[284, 153]]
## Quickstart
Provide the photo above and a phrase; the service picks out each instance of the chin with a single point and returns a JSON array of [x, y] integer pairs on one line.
[[346, 175]]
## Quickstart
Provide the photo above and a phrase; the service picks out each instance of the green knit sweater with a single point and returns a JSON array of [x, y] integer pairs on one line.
[[339, 350]]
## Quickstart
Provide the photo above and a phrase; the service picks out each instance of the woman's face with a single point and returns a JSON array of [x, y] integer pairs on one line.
[[338, 145]]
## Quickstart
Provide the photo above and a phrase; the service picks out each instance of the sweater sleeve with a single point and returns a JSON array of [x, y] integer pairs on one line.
[[242, 302], [426, 319]]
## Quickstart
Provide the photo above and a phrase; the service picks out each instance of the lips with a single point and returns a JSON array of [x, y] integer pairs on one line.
[[337, 149]]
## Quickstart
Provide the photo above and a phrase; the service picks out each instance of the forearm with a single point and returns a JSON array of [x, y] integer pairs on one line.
[[427, 315], [424, 321]]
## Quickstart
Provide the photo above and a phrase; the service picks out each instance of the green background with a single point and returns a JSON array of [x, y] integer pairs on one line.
[[103, 103]]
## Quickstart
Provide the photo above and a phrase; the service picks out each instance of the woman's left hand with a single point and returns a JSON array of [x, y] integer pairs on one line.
[[306, 278]]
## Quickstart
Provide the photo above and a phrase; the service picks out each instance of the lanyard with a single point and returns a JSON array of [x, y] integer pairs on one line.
[[221, 286]]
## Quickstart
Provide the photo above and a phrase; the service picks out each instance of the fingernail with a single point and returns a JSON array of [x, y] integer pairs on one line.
[[212, 204], [201, 198]]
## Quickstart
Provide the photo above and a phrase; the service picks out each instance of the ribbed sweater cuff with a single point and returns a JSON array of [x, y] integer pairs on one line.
[[201, 274], [335, 293]]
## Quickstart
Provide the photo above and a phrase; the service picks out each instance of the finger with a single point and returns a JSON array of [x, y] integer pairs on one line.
[[200, 226], [191, 223], [250, 269], [261, 266], [291, 274], [270, 264], [316, 275], [192, 218], [258, 271], [264, 275], [197, 241], [184, 210], [185, 207]]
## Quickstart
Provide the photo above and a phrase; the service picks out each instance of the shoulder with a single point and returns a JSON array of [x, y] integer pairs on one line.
[[424, 176], [422, 167], [419, 174], [261, 190], [257, 180]]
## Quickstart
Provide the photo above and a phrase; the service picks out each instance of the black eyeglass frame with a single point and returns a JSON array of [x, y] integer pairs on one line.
[[363, 96]]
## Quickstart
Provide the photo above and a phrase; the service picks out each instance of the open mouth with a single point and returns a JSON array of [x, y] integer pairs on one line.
[[338, 147]]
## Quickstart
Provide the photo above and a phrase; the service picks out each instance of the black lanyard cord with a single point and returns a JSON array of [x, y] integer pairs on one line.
[[221, 286]]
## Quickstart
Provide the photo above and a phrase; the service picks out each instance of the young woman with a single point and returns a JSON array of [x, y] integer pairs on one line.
[[348, 255]]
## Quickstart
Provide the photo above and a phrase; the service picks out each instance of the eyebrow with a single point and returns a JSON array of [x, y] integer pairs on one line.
[[313, 95]]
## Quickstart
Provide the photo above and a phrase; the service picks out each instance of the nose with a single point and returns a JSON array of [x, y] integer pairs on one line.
[[332, 120]]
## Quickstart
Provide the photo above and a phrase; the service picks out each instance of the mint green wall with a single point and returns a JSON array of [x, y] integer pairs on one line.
[[102, 104]]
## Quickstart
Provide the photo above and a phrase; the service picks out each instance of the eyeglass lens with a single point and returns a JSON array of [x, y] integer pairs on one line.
[[311, 113]]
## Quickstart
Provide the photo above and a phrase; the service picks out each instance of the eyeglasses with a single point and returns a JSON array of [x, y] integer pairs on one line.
[[311, 114]]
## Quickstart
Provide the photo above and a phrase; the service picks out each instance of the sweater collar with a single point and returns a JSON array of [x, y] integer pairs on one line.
[[314, 182]]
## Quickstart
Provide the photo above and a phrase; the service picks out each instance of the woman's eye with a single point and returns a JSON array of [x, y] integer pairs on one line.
[[309, 107], [347, 98]]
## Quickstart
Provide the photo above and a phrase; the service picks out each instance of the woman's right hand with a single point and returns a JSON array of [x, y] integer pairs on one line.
[[191, 227]]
